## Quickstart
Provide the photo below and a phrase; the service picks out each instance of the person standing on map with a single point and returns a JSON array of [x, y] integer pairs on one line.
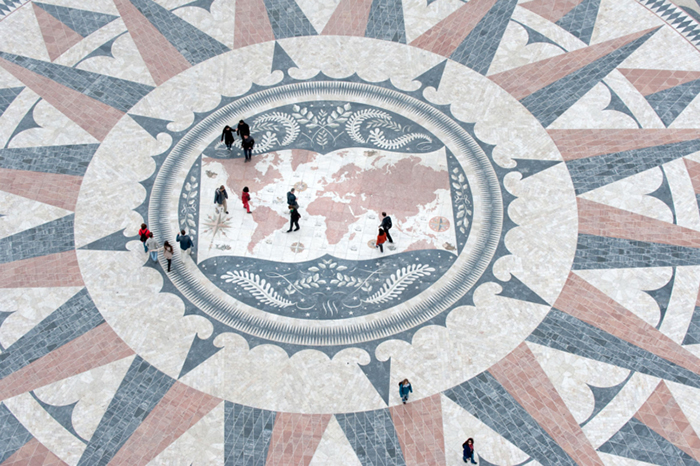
[[292, 199], [294, 215], [243, 129], [386, 225], [245, 197], [381, 238], [220, 197], [248, 144], [227, 136]]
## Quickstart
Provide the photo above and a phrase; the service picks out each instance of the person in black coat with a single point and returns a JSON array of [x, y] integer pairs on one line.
[[294, 216], [386, 225], [292, 199], [243, 129], [227, 136], [248, 143]]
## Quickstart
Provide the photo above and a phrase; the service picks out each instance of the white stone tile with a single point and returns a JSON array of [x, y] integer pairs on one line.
[[618, 18], [334, 448], [20, 214]]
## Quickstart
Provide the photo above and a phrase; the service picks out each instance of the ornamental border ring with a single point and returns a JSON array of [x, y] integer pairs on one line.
[[455, 283]]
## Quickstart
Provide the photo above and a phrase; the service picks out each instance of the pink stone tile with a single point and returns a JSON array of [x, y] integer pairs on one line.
[[553, 10], [581, 143], [349, 18], [583, 301], [93, 349], [419, 428], [525, 80], [93, 116], [162, 59], [54, 270], [603, 220], [57, 36], [252, 24], [33, 453], [694, 173], [445, 36], [664, 416], [521, 375], [57, 190], [180, 409], [295, 438], [651, 81]]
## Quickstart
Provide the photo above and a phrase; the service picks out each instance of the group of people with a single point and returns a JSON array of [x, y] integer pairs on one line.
[[150, 245], [247, 142], [405, 389]]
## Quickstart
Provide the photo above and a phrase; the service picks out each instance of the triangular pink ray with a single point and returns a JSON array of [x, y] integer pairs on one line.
[[252, 24], [523, 377], [663, 415], [162, 58], [349, 18], [50, 188], [553, 10], [95, 348], [295, 438], [652, 81], [51, 271], [603, 220], [585, 302], [33, 453], [582, 143], [525, 80], [180, 409], [419, 428], [57, 36]]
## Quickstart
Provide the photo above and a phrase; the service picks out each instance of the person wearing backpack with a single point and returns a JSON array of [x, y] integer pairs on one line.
[[386, 226], [143, 236]]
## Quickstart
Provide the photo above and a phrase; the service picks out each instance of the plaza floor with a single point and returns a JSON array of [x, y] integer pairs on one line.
[[540, 162]]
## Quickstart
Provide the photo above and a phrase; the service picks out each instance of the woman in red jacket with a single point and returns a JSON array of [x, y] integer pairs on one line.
[[245, 197], [381, 239], [143, 235]]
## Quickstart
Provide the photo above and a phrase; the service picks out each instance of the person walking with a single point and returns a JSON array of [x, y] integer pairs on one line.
[[248, 144], [153, 247], [186, 244], [381, 239], [404, 389], [292, 199], [245, 197], [386, 225], [220, 197], [168, 253], [143, 236], [294, 215], [468, 450], [243, 129], [227, 136]]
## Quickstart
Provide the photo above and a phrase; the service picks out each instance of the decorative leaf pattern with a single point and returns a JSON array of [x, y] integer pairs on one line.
[[189, 206], [397, 283], [258, 287]]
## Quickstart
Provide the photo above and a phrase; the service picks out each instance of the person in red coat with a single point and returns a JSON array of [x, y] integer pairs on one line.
[[381, 239], [245, 197], [143, 235]]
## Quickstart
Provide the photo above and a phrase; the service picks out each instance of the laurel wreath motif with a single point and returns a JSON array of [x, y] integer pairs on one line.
[[397, 283], [258, 287]]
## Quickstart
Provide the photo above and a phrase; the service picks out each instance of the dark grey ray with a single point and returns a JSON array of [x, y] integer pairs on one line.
[[618, 105], [27, 122], [49, 238], [7, 96], [433, 76], [83, 22], [247, 434], [199, 351], [112, 242], [379, 372], [287, 19], [662, 296], [61, 160], [604, 395], [373, 437], [580, 21], [61, 414], [515, 289], [13, 435]]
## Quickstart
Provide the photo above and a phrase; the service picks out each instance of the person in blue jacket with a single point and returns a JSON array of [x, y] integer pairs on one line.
[[468, 450], [404, 389], [186, 244]]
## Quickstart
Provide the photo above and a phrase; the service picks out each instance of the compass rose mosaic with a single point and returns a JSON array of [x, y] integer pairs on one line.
[[538, 161]]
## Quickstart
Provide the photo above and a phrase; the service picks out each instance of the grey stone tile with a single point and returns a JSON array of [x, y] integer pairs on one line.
[[478, 49], [193, 44], [550, 102], [7, 96], [670, 103], [62, 160], [81, 21], [8, 6], [637, 441], [593, 172], [580, 21], [247, 435], [489, 402], [566, 333], [598, 252], [50, 238], [115, 92], [287, 19], [692, 336], [373, 437], [13, 435], [141, 390], [386, 22], [74, 318]]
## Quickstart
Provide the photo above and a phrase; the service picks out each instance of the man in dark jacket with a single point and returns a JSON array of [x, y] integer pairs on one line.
[[227, 136], [292, 199], [248, 143], [186, 244], [220, 197], [243, 129], [386, 225], [294, 217]]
